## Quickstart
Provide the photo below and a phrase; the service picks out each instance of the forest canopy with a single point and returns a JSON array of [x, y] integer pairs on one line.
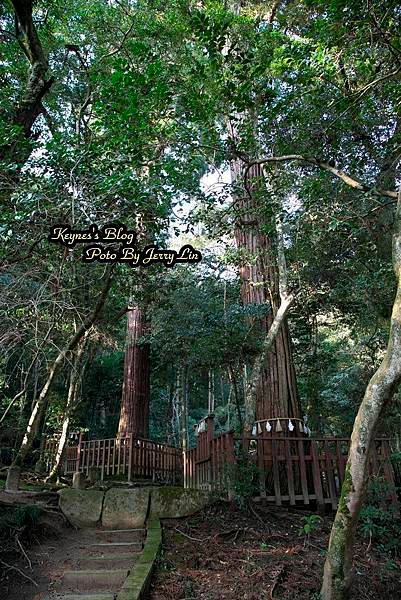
[[267, 135]]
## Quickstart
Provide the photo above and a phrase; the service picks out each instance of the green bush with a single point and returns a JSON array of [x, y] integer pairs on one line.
[[22, 517], [242, 478], [379, 520]]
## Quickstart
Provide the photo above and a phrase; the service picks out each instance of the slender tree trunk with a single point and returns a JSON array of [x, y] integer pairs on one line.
[[134, 415], [182, 388], [228, 407], [175, 421], [338, 566], [77, 369], [41, 401], [184, 409], [211, 394], [233, 380]]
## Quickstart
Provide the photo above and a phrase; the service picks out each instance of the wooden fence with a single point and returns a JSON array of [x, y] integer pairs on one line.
[[280, 469], [126, 457], [285, 469]]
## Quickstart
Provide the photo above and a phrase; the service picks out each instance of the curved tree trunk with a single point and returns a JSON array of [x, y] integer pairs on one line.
[[134, 415], [77, 370], [30, 106], [338, 566], [40, 402]]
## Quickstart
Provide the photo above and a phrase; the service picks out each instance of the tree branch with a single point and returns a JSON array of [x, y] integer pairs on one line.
[[30, 106], [322, 164]]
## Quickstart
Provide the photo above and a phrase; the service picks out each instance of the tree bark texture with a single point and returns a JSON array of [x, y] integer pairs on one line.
[[77, 370], [134, 415], [337, 577], [276, 392], [30, 106]]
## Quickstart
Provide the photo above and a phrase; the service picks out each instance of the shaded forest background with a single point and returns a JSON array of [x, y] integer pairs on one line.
[[131, 125]]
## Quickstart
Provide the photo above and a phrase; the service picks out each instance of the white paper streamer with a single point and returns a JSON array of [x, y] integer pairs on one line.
[[254, 430], [268, 426], [290, 425]]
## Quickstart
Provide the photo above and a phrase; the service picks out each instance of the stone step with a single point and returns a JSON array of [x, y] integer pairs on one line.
[[114, 561], [140, 529], [119, 535], [89, 580], [106, 549], [84, 596]]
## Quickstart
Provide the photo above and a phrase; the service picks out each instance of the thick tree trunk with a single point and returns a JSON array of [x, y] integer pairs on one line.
[[40, 403], [134, 415], [77, 369], [338, 566], [253, 387], [276, 391]]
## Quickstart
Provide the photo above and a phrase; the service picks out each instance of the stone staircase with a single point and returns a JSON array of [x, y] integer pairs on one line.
[[98, 564]]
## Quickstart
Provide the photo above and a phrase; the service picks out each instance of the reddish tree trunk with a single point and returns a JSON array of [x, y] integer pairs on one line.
[[134, 415], [277, 394]]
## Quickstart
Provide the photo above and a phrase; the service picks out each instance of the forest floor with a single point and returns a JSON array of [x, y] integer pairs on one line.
[[221, 553], [225, 553], [30, 569]]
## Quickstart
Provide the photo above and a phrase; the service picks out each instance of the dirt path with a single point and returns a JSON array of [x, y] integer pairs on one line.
[[48, 555], [89, 561]]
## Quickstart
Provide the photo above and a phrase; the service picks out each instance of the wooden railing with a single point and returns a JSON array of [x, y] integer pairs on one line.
[[303, 469], [286, 469], [207, 467], [126, 457]]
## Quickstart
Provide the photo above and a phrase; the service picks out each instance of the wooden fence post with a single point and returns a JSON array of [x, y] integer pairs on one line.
[[129, 457], [79, 451], [184, 469], [316, 478]]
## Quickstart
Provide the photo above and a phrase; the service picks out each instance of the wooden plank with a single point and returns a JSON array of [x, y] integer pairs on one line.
[[118, 442], [302, 471], [129, 458], [389, 473], [261, 466], [276, 475], [141, 450], [340, 462], [145, 458], [316, 475], [114, 458], [290, 473], [330, 475]]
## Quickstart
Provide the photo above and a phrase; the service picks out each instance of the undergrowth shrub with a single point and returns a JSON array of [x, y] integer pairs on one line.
[[380, 520], [20, 521], [242, 479]]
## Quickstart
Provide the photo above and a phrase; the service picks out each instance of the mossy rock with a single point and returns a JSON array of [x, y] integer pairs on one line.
[[82, 508], [173, 502], [125, 508]]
